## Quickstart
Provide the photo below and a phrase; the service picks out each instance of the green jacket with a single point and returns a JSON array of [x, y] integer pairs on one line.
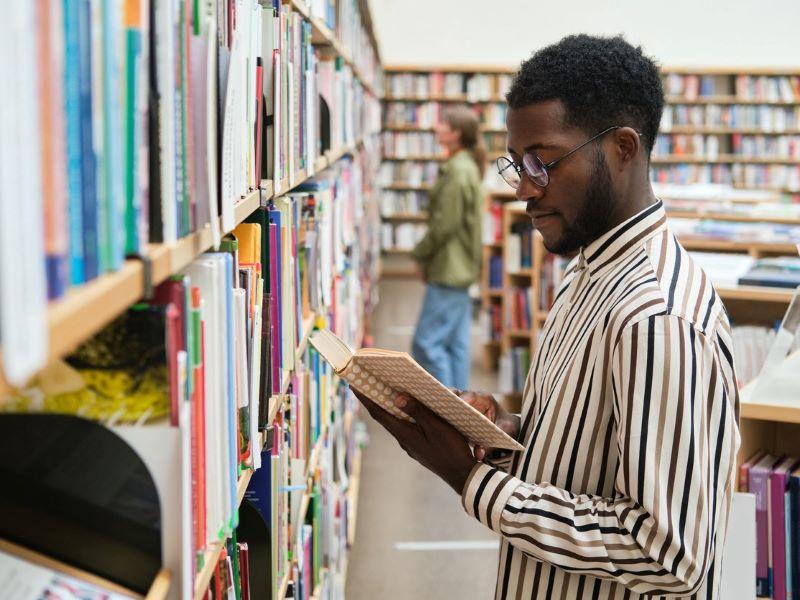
[[450, 252]]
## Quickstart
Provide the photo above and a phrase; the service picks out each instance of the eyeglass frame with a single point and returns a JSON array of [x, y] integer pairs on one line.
[[547, 167]]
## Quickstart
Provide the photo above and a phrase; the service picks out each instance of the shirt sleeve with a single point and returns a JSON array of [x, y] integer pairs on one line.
[[447, 215], [677, 437]]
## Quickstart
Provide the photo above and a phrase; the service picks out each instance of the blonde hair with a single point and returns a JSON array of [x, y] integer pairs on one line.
[[465, 122]]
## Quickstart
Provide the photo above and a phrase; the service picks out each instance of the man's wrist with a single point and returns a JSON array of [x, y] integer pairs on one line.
[[461, 474]]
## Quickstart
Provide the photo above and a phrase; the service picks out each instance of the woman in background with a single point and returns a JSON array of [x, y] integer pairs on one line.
[[449, 256]]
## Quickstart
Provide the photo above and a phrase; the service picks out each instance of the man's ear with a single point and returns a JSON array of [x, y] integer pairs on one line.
[[627, 145]]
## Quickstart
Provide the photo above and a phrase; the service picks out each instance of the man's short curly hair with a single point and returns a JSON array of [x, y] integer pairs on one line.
[[602, 81]]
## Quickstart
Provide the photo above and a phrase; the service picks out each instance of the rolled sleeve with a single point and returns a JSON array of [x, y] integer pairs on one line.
[[486, 493]]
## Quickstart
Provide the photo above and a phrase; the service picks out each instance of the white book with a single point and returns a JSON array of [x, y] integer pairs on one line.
[[23, 296], [165, 76]]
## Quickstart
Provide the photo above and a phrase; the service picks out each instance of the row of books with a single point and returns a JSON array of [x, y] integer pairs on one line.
[[783, 177], [744, 87], [346, 20], [735, 231], [409, 173], [775, 482], [410, 202], [403, 144], [778, 147], [216, 342], [513, 367], [764, 117], [476, 86], [519, 308], [519, 247], [145, 124], [429, 114], [401, 237]]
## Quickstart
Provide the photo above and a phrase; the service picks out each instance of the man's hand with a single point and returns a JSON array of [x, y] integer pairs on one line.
[[431, 441], [491, 409]]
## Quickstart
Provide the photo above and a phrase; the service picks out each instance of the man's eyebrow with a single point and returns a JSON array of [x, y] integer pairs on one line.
[[534, 146]]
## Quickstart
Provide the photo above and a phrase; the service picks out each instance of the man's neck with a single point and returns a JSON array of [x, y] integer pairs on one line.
[[636, 200]]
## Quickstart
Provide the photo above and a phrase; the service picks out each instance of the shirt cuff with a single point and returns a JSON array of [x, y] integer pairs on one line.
[[486, 493]]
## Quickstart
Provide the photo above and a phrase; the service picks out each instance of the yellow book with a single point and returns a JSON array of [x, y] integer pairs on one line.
[[382, 374], [249, 236]]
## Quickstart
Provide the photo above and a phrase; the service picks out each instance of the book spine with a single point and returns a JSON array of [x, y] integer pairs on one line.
[[72, 108], [777, 526], [794, 529], [87, 151], [54, 179], [101, 112], [758, 486], [132, 59]]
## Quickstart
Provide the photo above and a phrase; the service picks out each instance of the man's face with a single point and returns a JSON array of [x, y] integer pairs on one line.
[[578, 204]]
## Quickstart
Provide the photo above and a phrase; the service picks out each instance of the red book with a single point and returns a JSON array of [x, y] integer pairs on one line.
[[778, 483], [244, 570], [199, 430], [173, 292]]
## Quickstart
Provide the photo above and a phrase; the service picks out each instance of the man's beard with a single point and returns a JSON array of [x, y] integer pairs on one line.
[[595, 214]]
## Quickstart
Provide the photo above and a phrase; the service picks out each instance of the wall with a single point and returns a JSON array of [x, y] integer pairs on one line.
[[756, 33]]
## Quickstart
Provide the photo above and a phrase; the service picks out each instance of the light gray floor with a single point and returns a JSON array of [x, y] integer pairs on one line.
[[399, 501]]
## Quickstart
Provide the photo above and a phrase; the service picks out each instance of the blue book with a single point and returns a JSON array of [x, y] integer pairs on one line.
[[259, 490], [794, 519], [89, 233], [72, 110], [113, 165]]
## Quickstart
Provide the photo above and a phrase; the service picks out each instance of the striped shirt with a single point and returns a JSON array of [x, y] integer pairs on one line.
[[630, 427]]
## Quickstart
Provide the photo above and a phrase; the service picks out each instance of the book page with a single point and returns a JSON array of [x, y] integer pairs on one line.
[[380, 375]]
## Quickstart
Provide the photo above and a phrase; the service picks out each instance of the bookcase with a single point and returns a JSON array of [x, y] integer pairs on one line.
[[246, 180], [413, 104]]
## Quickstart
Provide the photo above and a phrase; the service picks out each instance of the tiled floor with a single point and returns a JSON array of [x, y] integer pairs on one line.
[[401, 502]]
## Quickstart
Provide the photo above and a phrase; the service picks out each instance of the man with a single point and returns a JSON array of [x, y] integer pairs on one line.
[[629, 416]]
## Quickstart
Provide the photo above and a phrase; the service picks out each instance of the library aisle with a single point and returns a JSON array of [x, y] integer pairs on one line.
[[413, 539]]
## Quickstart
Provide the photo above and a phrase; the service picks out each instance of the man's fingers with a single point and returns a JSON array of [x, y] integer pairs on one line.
[[480, 452]]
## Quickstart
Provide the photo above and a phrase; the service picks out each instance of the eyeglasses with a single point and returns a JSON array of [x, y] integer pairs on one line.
[[537, 171]]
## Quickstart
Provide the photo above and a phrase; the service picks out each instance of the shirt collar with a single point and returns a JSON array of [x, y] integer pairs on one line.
[[616, 242]]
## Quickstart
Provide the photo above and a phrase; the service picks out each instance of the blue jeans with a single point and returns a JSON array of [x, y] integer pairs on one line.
[[441, 341]]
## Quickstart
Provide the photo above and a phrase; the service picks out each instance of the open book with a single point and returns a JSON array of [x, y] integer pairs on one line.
[[381, 374]]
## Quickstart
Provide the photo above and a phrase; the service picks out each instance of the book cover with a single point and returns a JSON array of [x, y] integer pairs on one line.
[[759, 485], [778, 480], [794, 519]]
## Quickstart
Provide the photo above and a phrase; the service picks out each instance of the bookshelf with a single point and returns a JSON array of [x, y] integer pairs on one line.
[[310, 152], [415, 113]]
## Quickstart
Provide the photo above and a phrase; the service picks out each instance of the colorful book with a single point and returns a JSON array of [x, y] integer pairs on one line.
[[759, 485], [778, 481]]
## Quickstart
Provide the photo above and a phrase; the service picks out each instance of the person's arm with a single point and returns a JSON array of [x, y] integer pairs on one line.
[[446, 217], [677, 438]]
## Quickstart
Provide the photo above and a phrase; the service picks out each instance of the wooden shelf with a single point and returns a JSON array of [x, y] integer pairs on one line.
[[452, 68], [753, 247], [160, 586], [407, 217], [518, 333], [724, 158], [419, 157], [756, 293], [779, 398], [397, 251], [211, 556], [398, 272], [418, 128], [521, 273], [308, 327], [87, 308], [727, 99], [731, 216], [494, 293], [723, 130], [456, 98], [408, 187]]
